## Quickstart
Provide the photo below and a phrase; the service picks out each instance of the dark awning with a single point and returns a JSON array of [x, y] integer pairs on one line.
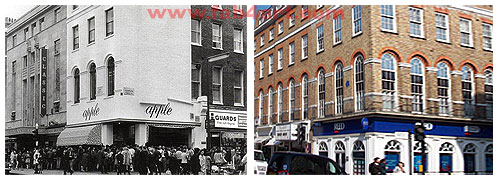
[[86, 135]]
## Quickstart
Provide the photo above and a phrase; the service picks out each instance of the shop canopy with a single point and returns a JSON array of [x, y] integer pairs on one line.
[[261, 139], [86, 135], [273, 142]]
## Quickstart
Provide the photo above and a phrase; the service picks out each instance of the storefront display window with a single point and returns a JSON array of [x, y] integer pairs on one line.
[[358, 158]]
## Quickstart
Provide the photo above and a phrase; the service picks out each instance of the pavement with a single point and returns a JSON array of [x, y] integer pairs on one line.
[[59, 172]]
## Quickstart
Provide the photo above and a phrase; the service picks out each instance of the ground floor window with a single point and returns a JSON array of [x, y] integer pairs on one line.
[[358, 158], [323, 149], [419, 166], [489, 163], [340, 154], [469, 160], [445, 162], [392, 160]]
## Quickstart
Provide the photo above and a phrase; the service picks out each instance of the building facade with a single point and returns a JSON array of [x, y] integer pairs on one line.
[[35, 83], [128, 82], [360, 77], [220, 30]]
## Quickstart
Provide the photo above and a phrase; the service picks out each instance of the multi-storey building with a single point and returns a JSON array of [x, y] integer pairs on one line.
[[35, 80], [361, 77], [128, 77], [220, 31]]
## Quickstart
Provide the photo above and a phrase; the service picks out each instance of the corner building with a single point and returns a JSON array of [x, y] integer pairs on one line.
[[360, 77], [128, 82]]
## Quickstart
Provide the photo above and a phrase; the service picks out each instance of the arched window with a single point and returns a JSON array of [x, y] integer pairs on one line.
[[467, 90], [270, 106], [470, 158], [261, 107], [92, 81], [111, 76], [388, 82], [359, 80], [488, 93], [323, 149], [305, 97], [418, 158], [358, 158], [321, 93], [446, 157], [392, 153], [76, 92], [417, 85], [280, 102], [489, 158], [291, 100], [340, 154], [443, 84], [339, 89]]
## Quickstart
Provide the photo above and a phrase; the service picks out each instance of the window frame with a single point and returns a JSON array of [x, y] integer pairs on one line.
[[337, 21], [470, 33], [446, 27], [485, 36], [221, 101], [444, 109], [76, 86], [91, 30], [292, 20], [270, 105], [390, 17], [421, 100], [291, 99], [198, 82], [359, 82], [215, 36], [261, 73], [196, 31], [305, 47], [239, 74], [281, 27], [469, 103], [321, 93], [420, 24], [76, 37], [280, 102], [320, 38], [110, 29], [339, 89], [111, 76], [354, 20], [392, 94], [262, 39], [291, 53], [92, 81], [271, 34], [271, 63], [235, 42], [305, 97], [280, 59]]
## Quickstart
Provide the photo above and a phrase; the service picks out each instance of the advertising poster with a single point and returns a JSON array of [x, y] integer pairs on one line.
[[445, 163]]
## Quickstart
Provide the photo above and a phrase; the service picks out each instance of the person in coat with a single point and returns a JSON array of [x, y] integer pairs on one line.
[[374, 168]]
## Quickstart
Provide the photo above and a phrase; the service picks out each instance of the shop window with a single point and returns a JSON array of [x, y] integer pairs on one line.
[[470, 158], [392, 152], [340, 157], [489, 158], [323, 149], [446, 158], [420, 160], [358, 158]]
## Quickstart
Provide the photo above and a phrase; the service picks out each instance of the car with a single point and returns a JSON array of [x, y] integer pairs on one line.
[[7, 168], [260, 166], [294, 163]]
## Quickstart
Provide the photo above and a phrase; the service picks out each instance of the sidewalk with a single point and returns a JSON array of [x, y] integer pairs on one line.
[[60, 172]]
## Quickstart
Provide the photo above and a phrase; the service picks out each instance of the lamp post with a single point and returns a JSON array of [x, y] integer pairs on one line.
[[208, 126]]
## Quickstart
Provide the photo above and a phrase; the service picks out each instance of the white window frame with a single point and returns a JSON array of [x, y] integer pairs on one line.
[[254, 45], [414, 95], [304, 12], [197, 31], [217, 7], [359, 95], [280, 102], [336, 20], [448, 105], [486, 36], [270, 105], [339, 99], [238, 9], [446, 27], [261, 107], [354, 33], [321, 103], [391, 17], [281, 27], [242, 87], [271, 63], [291, 53], [420, 24], [261, 73], [319, 6], [291, 97], [292, 20], [262, 39], [220, 35], [320, 39], [280, 59], [221, 87], [235, 31], [199, 79], [304, 96], [470, 37], [392, 95], [488, 81], [304, 46], [468, 111], [271, 34]]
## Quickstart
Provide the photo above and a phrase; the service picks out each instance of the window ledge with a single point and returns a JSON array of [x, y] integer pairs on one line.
[[270, 74], [443, 41], [196, 44], [357, 34], [109, 97], [291, 26], [320, 51], [389, 31], [291, 64], [217, 48], [304, 58], [467, 46], [280, 69], [109, 36], [75, 50], [418, 37], [337, 43], [217, 103], [90, 44], [488, 50], [239, 105], [239, 52], [91, 101]]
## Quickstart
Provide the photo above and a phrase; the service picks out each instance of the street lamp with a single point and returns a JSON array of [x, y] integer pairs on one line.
[[210, 59]]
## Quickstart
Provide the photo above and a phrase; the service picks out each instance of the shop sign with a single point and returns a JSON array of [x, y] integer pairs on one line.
[[158, 109], [90, 112], [283, 132], [427, 126], [472, 129], [364, 124], [338, 126], [240, 135], [242, 121], [43, 82], [128, 91], [225, 120]]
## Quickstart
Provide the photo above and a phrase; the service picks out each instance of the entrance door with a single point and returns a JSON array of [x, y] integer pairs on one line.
[[469, 162], [169, 136], [123, 134]]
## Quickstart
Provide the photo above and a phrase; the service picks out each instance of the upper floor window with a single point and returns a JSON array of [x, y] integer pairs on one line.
[[271, 34], [238, 87], [337, 27], [33, 29], [417, 84], [359, 83], [443, 83], [388, 18], [442, 30], [14, 40], [291, 100], [356, 20], [91, 23], [280, 27], [304, 47], [416, 22], [75, 7], [292, 19], [321, 93], [261, 73], [109, 22], [291, 48], [26, 34], [488, 92], [111, 76], [339, 89], [320, 38], [238, 9], [261, 106], [280, 102], [196, 31], [487, 36], [305, 97], [271, 62], [270, 105], [195, 81], [465, 32], [93, 81], [42, 24], [217, 85], [57, 15], [305, 11], [467, 90], [76, 38], [76, 92], [262, 40], [238, 40], [388, 81], [216, 36], [280, 59]]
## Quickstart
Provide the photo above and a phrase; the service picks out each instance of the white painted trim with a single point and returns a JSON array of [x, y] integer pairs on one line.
[[456, 72], [431, 69], [406, 96], [474, 10], [328, 74], [348, 98], [347, 68], [403, 64], [372, 60], [480, 76], [458, 102], [374, 94], [433, 99], [328, 103]]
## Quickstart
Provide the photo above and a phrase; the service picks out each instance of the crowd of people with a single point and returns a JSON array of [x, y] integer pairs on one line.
[[152, 160], [379, 167]]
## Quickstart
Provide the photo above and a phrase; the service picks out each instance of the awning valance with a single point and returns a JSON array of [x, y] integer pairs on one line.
[[261, 139], [86, 135], [273, 142]]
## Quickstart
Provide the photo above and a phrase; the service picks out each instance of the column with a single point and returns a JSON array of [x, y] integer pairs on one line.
[[107, 134], [141, 134]]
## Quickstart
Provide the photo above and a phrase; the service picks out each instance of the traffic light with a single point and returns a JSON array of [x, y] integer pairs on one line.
[[301, 130], [419, 131]]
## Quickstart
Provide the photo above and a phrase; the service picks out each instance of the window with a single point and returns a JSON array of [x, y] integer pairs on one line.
[[291, 48], [195, 31], [323, 149], [33, 29], [487, 36], [261, 107], [291, 100], [321, 93], [26, 34], [280, 59], [195, 81], [446, 158], [217, 6], [13, 89], [442, 30], [305, 11], [443, 83], [340, 156], [261, 73], [91, 22], [339, 89], [111, 76], [470, 158], [14, 40], [76, 38], [305, 97], [109, 22], [92, 81], [280, 27], [356, 20], [416, 22], [320, 38], [304, 47], [337, 26], [417, 84], [217, 85], [271, 62], [238, 88], [489, 158], [57, 15], [270, 105], [358, 158], [238, 40], [271, 34], [280, 103], [419, 165], [388, 18], [488, 92], [254, 45], [41, 22], [388, 82], [216, 36], [57, 46], [467, 91], [25, 61], [359, 83], [75, 7], [262, 40], [465, 32], [76, 82], [292, 19]]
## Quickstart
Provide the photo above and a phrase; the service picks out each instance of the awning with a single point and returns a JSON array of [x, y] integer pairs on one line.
[[86, 135], [273, 142], [261, 139]]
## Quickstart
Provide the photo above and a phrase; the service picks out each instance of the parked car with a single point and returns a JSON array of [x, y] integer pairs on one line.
[[293, 163], [260, 166]]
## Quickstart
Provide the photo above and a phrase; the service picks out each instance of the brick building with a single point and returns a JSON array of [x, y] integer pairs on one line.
[[42, 28], [224, 79], [359, 77]]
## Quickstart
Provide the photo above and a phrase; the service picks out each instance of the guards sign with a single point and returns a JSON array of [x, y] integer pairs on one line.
[[225, 120]]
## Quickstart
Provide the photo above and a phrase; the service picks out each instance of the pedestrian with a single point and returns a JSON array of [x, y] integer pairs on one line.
[[399, 168], [141, 160], [36, 161], [127, 160], [66, 163], [383, 164], [195, 162], [236, 162], [184, 162], [119, 163], [374, 168], [244, 163]]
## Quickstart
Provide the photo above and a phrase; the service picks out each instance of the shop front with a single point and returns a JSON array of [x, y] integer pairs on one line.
[[228, 128]]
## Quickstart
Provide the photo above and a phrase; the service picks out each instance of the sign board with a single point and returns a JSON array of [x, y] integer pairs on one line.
[[286, 132], [226, 120], [401, 135], [43, 82], [128, 91], [239, 135], [472, 129]]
